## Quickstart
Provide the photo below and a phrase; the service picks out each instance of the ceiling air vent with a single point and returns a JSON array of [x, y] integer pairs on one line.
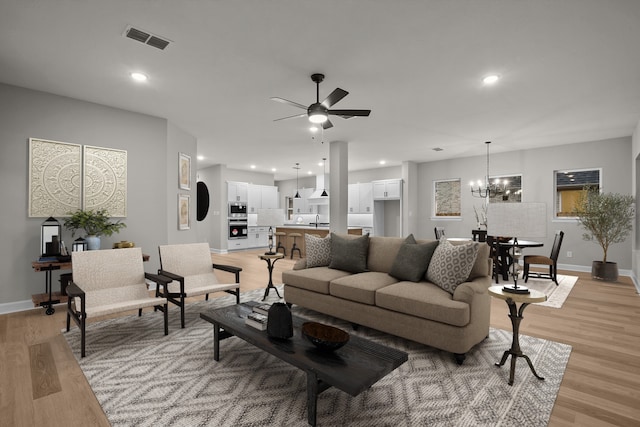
[[146, 37]]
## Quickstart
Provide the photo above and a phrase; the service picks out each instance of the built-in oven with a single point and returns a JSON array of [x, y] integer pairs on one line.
[[237, 210], [238, 229]]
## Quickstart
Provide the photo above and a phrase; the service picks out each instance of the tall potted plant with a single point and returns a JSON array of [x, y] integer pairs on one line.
[[608, 219], [94, 223]]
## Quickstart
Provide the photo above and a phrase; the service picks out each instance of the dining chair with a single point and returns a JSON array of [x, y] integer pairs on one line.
[[551, 261]]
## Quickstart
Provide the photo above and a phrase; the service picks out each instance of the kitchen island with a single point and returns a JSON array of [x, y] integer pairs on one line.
[[321, 230]]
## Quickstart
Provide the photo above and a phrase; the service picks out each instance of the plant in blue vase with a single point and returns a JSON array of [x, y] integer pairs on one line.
[[95, 223]]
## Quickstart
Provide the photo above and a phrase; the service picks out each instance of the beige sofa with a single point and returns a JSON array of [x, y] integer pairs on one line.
[[419, 311]]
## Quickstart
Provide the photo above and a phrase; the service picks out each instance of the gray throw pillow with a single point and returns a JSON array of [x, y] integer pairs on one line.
[[318, 250], [349, 254], [412, 260], [451, 264]]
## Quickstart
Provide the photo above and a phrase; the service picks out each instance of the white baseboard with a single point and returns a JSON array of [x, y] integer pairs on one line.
[[12, 307]]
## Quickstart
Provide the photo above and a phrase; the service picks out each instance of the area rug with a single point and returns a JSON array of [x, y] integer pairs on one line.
[[556, 294], [143, 378]]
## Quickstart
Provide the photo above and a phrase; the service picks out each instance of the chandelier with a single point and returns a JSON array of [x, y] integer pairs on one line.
[[488, 189]]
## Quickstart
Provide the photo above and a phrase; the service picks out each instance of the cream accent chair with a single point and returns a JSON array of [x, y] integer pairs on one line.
[[110, 281], [190, 268]]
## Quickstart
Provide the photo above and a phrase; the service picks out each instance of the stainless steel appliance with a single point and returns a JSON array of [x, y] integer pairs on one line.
[[237, 228], [237, 210]]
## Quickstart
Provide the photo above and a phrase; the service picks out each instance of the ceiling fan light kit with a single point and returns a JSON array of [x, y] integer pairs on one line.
[[319, 112]]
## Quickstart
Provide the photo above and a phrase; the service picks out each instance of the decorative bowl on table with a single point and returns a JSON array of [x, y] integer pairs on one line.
[[324, 337], [123, 244]]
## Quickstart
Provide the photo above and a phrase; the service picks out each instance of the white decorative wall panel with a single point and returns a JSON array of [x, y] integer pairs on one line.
[[54, 177], [105, 180]]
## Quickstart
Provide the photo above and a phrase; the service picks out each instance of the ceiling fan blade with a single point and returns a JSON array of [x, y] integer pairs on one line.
[[347, 114], [334, 97], [286, 101], [327, 124], [290, 117]]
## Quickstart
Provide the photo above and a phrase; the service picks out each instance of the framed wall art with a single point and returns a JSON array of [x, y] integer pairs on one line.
[[184, 171], [105, 180], [55, 178], [183, 211]]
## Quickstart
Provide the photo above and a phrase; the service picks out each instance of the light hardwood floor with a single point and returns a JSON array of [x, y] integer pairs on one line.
[[41, 383]]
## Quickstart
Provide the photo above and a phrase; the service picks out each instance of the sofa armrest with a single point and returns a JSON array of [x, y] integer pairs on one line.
[[467, 291], [301, 264]]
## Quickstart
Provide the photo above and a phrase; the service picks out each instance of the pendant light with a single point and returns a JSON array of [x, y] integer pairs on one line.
[[324, 173], [297, 168]]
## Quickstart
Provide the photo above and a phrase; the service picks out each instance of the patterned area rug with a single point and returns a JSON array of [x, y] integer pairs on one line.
[[556, 294], [143, 378]]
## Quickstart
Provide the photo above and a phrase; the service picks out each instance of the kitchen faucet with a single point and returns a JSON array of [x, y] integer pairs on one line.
[[317, 219]]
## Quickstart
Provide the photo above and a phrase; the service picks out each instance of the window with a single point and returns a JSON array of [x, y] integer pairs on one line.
[[569, 184], [510, 189], [446, 198]]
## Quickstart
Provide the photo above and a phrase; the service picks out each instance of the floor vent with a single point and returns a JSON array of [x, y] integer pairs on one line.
[[146, 37]]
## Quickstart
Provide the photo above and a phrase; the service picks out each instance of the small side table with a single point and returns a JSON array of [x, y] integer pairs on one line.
[[515, 315], [271, 260]]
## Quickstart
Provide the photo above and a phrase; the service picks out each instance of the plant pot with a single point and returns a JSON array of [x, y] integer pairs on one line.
[[607, 271], [93, 243]]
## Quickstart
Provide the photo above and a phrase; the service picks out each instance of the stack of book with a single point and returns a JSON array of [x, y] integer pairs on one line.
[[257, 320], [262, 308]]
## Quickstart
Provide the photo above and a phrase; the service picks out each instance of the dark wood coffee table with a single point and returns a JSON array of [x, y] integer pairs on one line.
[[353, 368]]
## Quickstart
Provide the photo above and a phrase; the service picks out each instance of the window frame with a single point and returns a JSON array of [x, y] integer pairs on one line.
[[555, 190], [434, 212]]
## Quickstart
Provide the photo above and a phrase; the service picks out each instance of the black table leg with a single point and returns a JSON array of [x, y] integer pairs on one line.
[[516, 317], [314, 388], [48, 283]]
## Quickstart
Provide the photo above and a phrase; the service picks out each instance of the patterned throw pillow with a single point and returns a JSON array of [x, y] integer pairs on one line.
[[318, 250], [451, 264], [412, 260], [349, 254]]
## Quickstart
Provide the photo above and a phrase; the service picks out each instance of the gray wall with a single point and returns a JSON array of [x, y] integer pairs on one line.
[[537, 167], [28, 114]]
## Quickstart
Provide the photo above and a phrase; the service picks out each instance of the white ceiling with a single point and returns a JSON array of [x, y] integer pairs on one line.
[[570, 72]]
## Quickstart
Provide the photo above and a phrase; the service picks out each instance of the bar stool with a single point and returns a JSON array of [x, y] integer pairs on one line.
[[295, 246], [279, 236]]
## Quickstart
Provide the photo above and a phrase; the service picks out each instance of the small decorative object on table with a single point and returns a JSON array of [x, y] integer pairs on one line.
[[256, 320], [280, 323], [324, 337], [262, 308]]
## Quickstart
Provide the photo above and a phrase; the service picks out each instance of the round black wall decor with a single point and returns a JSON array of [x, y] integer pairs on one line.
[[202, 200]]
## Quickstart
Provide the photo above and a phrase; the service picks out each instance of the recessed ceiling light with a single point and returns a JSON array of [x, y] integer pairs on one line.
[[201, 157], [383, 162], [490, 79], [313, 128], [310, 173], [273, 169], [252, 166], [139, 77]]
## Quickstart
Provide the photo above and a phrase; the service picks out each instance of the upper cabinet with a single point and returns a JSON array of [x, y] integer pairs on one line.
[[302, 205], [237, 191], [262, 197], [387, 189], [360, 198]]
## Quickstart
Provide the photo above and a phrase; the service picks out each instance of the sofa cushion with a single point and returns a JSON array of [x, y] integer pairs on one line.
[[424, 300], [412, 260], [349, 254], [360, 287], [312, 279], [318, 250], [451, 264], [382, 252], [481, 266]]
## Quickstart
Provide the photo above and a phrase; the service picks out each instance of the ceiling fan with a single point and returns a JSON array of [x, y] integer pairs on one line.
[[319, 112]]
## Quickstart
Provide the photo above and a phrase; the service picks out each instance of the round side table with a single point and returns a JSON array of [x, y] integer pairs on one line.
[[515, 314], [271, 260]]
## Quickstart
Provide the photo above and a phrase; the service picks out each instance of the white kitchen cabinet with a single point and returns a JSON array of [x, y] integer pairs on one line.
[[302, 205], [387, 189], [360, 198], [237, 191], [257, 237], [262, 197], [237, 244]]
